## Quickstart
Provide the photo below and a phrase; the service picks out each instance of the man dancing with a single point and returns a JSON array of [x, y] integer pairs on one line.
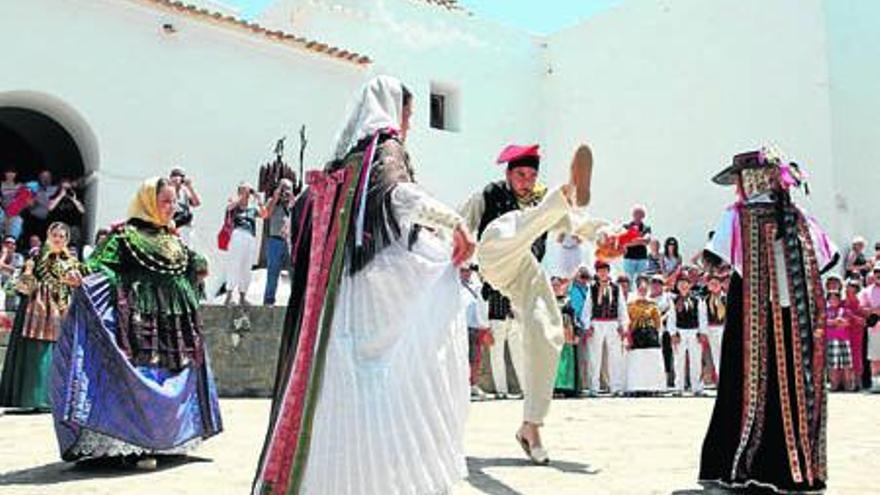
[[507, 262], [519, 190]]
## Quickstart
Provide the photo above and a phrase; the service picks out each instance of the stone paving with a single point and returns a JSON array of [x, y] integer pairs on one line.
[[625, 446]]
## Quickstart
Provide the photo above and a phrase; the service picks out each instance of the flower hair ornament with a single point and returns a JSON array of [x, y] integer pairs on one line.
[[790, 173]]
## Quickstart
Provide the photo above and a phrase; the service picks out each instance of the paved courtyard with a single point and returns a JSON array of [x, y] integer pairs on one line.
[[626, 446]]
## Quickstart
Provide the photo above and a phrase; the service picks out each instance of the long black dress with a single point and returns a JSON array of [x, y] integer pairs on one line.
[[768, 427]]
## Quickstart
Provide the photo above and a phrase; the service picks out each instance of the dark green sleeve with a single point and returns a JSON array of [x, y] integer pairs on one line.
[[107, 258], [198, 265]]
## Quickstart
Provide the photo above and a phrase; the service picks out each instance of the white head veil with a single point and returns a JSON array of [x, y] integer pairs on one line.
[[379, 106]]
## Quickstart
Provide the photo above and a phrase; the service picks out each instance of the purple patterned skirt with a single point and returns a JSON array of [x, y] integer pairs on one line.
[[105, 406]]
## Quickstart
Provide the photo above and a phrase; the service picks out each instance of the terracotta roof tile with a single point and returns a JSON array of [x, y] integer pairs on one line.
[[275, 35]]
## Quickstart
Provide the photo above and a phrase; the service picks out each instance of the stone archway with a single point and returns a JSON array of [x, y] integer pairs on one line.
[[40, 132]]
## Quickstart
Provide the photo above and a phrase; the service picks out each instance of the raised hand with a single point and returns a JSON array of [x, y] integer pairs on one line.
[[463, 245]]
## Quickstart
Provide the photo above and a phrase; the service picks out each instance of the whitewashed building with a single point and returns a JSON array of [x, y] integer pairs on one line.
[[664, 90]]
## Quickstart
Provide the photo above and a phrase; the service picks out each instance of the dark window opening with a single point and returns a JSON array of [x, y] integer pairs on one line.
[[438, 111]]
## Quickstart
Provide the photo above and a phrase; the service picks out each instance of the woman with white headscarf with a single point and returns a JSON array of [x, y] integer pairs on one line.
[[372, 387]]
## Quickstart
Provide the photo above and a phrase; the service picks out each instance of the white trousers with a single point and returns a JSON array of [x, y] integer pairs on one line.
[[715, 333], [506, 331], [239, 259], [605, 332], [688, 348], [506, 262]]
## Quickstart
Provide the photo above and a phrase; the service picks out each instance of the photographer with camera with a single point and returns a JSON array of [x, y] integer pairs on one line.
[[244, 209], [277, 249], [66, 207], [187, 199]]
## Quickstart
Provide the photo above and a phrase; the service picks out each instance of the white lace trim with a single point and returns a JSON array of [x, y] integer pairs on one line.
[[94, 444]]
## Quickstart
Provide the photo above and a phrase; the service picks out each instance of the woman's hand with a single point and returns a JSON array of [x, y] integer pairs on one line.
[[73, 278], [463, 245]]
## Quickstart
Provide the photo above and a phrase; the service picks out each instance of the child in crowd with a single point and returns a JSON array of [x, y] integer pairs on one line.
[[856, 328], [838, 354], [833, 283], [35, 244]]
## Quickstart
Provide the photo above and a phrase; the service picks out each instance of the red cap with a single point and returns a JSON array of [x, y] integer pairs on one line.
[[515, 152]]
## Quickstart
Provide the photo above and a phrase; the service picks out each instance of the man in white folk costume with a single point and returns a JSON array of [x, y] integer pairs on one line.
[[506, 259], [606, 318]]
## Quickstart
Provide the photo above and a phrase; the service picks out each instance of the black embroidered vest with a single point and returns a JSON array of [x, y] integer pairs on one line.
[[606, 308], [686, 312], [498, 199]]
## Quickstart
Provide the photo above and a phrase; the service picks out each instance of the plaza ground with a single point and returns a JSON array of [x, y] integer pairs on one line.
[[625, 446]]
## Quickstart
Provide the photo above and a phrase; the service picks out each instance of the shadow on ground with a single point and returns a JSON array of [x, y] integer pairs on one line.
[[484, 482], [707, 490], [65, 472]]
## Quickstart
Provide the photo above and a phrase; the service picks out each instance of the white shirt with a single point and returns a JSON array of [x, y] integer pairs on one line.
[[477, 309]]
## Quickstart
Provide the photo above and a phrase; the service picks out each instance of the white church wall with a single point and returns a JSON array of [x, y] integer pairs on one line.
[[494, 71], [208, 99], [667, 91], [853, 28]]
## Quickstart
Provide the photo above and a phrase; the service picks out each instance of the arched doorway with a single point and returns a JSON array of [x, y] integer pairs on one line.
[[40, 133]]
